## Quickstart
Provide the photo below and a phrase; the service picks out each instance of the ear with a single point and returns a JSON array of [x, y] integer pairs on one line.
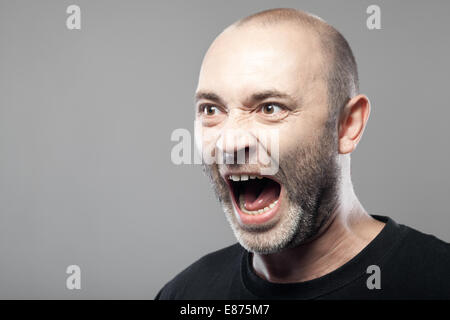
[[352, 123]]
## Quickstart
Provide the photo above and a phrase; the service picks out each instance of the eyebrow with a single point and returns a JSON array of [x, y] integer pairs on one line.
[[209, 96], [258, 96]]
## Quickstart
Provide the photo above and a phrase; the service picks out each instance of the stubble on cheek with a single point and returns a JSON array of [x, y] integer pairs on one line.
[[217, 183]]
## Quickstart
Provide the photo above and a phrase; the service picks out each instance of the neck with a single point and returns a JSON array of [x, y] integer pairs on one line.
[[349, 230]]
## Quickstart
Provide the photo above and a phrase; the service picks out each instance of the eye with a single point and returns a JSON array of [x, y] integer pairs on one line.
[[271, 108], [210, 110]]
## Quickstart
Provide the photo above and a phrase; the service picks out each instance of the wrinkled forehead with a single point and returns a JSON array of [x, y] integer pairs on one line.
[[240, 60]]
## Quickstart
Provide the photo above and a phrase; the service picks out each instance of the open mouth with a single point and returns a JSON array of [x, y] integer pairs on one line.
[[255, 195]]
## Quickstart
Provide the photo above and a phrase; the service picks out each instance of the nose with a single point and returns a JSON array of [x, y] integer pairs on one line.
[[236, 143]]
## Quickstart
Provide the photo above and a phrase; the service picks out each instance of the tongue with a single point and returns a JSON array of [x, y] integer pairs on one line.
[[258, 197]]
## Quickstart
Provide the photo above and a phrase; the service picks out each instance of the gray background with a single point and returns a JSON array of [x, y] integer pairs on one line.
[[86, 117]]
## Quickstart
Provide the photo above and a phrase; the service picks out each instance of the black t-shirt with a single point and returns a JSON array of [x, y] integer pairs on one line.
[[400, 263]]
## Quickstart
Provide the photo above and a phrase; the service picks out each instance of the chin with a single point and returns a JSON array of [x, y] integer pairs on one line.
[[270, 237]]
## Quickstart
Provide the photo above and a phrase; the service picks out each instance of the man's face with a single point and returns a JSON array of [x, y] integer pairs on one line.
[[259, 80]]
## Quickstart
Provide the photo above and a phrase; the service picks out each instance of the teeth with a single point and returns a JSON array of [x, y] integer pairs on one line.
[[243, 177], [241, 205]]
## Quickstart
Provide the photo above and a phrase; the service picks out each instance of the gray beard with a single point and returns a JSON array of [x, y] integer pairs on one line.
[[310, 176]]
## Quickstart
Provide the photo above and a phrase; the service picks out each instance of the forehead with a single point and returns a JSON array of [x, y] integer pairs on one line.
[[243, 60]]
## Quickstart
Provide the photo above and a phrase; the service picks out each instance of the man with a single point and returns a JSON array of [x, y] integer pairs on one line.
[[302, 232]]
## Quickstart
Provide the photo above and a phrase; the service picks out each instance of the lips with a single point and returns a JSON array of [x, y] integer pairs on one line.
[[256, 198]]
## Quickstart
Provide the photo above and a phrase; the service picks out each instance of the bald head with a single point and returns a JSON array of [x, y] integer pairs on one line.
[[340, 69]]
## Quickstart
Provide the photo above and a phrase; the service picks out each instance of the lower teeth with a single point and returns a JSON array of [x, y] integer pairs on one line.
[[242, 207]]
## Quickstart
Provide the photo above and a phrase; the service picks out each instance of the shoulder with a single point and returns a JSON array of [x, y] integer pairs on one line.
[[422, 263], [414, 244], [206, 272], [426, 245]]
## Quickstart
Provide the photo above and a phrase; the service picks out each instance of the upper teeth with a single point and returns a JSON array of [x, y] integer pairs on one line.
[[243, 177]]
